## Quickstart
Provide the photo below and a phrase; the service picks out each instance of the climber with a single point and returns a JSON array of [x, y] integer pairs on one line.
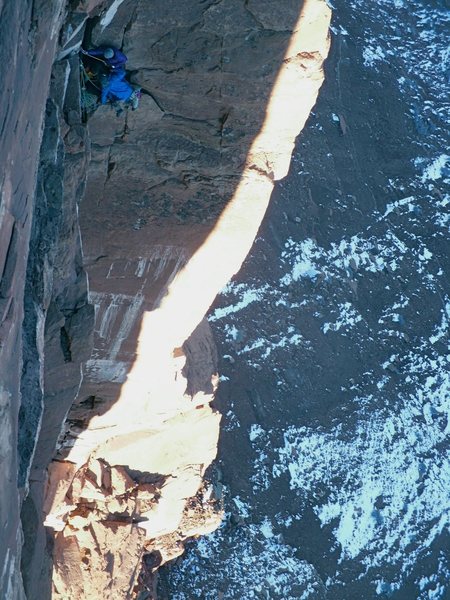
[[113, 58], [116, 88]]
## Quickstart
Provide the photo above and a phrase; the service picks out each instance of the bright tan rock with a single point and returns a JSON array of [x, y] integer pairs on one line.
[[188, 438], [60, 476], [121, 482], [102, 572]]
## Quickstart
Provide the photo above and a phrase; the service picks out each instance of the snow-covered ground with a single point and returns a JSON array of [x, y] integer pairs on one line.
[[375, 471]]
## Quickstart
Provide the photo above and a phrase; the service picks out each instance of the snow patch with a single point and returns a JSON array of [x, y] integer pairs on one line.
[[246, 296], [372, 55], [256, 565], [255, 432], [434, 171]]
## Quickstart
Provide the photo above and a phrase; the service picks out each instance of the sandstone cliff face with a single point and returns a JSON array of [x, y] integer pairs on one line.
[[58, 318], [210, 137], [172, 197], [28, 31], [43, 303]]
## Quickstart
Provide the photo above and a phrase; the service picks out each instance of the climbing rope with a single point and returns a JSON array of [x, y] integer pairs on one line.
[[82, 94], [95, 58], [88, 99], [86, 77]]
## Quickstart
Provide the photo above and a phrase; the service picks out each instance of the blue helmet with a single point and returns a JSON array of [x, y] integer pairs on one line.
[[108, 53]]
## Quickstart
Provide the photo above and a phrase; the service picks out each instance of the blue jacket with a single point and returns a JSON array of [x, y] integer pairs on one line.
[[116, 62], [116, 87]]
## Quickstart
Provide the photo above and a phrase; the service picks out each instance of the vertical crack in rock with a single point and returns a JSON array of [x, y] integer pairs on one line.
[[58, 320], [28, 34]]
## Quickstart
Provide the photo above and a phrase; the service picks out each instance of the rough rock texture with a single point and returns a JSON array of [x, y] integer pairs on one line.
[[227, 87], [42, 290], [56, 303], [28, 31]]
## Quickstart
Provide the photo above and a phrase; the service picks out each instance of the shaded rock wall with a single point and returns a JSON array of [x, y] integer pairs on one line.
[[58, 323], [43, 296], [28, 31]]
